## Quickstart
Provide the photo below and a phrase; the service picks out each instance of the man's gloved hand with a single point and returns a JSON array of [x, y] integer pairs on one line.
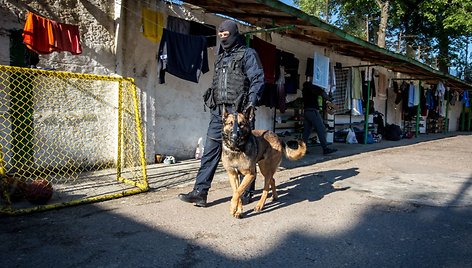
[[331, 107], [249, 110]]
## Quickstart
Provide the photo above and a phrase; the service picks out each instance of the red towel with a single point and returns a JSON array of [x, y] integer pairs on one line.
[[45, 36], [267, 55], [66, 37]]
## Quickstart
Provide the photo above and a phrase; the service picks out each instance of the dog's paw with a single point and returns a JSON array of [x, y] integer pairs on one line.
[[258, 207]]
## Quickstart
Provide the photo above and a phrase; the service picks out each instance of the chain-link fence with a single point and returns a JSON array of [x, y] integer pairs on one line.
[[67, 138]]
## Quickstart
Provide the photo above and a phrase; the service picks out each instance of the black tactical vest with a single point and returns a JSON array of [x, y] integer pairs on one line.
[[229, 81]]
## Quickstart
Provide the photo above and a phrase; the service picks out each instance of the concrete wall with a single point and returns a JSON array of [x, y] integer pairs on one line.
[[454, 115]]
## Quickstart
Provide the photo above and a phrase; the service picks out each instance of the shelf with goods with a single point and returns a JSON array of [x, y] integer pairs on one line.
[[410, 126], [435, 125], [289, 123], [342, 122]]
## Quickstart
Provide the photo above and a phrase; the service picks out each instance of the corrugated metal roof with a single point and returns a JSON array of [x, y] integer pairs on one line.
[[272, 13]]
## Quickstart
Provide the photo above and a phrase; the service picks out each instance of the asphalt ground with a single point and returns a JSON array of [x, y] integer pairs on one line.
[[391, 204]]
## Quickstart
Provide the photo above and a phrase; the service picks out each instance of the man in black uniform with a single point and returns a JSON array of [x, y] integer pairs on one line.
[[238, 72], [312, 116]]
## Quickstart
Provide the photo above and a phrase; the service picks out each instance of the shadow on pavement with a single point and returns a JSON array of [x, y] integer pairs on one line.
[[396, 235], [307, 187]]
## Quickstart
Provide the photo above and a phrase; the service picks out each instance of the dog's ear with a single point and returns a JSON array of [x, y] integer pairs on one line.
[[249, 112]]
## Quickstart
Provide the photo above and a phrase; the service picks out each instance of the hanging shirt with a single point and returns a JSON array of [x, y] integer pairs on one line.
[[411, 95], [267, 54], [184, 56], [44, 36], [153, 24], [290, 64], [356, 81], [321, 71], [178, 25], [465, 99]]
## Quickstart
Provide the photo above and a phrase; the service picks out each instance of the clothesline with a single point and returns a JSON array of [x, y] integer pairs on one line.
[[139, 15], [358, 66], [281, 28]]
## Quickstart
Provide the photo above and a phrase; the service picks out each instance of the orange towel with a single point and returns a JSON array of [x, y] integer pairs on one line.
[[44, 36], [38, 35], [153, 24]]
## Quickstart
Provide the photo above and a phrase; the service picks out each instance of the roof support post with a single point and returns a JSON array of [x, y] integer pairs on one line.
[[446, 122], [367, 107], [463, 117], [468, 119]]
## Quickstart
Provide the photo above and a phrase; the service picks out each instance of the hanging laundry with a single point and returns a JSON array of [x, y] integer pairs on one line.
[[366, 80], [357, 107], [184, 56], [38, 35], [383, 85], [356, 81], [44, 36], [332, 80], [183, 26], [267, 54], [281, 94], [417, 95], [430, 99], [66, 37], [178, 25], [206, 30], [269, 96], [321, 71], [440, 90], [465, 99], [411, 95], [153, 24], [290, 64]]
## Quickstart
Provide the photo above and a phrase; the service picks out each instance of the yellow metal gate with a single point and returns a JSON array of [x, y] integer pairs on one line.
[[67, 138]]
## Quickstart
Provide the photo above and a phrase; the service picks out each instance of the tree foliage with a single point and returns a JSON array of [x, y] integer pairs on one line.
[[435, 32]]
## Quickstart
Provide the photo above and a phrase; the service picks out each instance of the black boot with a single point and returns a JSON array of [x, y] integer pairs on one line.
[[196, 197], [246, 198], [329, 150]]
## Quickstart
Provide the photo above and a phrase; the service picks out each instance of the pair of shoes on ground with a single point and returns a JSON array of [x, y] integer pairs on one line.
[[197, 197], [200, 199], [329, 150]]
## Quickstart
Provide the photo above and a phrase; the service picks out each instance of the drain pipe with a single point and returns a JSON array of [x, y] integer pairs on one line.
[[119, 32]]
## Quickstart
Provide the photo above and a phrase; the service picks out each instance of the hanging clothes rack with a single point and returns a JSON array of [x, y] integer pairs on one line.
[[367, 108]]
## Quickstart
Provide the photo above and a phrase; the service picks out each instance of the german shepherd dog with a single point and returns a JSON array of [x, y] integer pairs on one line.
[[243, 148]]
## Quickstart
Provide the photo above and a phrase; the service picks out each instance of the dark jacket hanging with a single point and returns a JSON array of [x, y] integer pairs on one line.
[[184, 56]]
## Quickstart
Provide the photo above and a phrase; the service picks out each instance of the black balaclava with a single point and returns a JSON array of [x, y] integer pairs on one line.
[[233, 38]]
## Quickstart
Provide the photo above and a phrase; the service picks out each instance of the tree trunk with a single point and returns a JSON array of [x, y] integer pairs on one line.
[[443, 57], [383, 22]]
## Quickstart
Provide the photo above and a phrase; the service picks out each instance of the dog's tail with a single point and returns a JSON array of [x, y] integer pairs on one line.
[[294, 150]]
